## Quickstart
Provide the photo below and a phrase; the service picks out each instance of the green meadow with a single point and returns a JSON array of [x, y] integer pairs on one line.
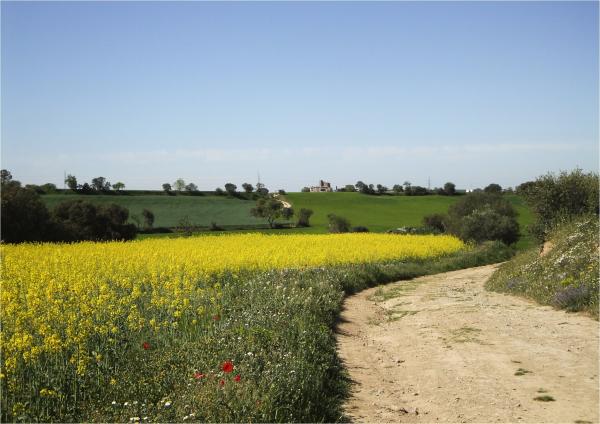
[[377, 213], [170, 210]]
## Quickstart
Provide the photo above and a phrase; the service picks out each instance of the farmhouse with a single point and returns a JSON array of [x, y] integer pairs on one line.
[[323, 186]]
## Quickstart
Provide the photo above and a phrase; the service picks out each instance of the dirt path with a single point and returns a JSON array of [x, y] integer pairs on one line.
[[283, 202], [442, 349]]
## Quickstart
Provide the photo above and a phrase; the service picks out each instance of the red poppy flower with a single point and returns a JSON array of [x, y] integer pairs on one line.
[[237, 377], [222, 382], [227, 366], [146, 345], [198, 375], [216, 317]]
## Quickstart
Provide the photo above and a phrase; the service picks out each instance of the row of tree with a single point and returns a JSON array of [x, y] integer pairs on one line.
[[24, 217], [408, 189], [230, 189], [98, 185]]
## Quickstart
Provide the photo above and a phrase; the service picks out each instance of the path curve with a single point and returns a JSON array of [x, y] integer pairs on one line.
[[283, 202], [442, 349]]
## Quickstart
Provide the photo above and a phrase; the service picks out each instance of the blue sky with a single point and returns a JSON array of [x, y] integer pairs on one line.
[[144, 93]]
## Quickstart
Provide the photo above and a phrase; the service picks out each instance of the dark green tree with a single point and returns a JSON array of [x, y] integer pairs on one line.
[[230, 188], [71, 182], [304, 217], [338, 224], [493, 188], [449, 189], [100, 184], [269, 209]]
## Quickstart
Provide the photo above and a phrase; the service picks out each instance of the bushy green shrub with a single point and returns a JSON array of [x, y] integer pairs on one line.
[[435, 221], [483, 216], [565, 277], [359, 229], [338, 224], [24, 216], [76, 220], [304, 217], [487, 224], [559, 198]]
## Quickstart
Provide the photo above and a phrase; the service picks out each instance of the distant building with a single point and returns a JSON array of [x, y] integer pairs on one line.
[[322, 187]]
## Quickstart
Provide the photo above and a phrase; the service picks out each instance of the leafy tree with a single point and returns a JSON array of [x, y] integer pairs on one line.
[[118, 186], [82, 220], [558, 198], [281, 192], [364, 188], [449, 189], [179, 185], [35, 188], [397, 188], [305, 190], [191, 187], [100, 184], [269, 209], [407, 185], [230, 188], [167, 188], [263, 191], [416, 191], [71, 182], [493, 188], [248, 187], [487, 224], [219, 191], [304, 217], [483, 216], [338, 224], [85, 188], [5, 176], [381, 189], [24, 217], [349, 188], [148, 218], [49, 188]]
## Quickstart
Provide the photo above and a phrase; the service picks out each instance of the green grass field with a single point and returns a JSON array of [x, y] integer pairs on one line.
[[169, 210], [381, 213], [377, 213]]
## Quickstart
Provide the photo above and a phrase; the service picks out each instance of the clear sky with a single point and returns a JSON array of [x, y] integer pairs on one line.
[[144, 93]]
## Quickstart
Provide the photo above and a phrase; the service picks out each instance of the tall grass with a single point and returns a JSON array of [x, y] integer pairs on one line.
[[566, 277]]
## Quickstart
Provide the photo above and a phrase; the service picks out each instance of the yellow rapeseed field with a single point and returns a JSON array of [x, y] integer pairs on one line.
[[65, 305]]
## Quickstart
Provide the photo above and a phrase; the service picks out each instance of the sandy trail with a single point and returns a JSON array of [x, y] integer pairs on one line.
[[442, 349]]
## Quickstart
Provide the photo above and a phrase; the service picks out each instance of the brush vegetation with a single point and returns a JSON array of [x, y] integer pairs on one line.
[[566, 276]]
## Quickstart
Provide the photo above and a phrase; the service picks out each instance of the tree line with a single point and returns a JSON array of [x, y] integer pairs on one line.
[[24, 217], [407, 189]]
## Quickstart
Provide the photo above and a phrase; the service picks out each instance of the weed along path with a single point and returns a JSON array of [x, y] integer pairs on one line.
[[442, 349]]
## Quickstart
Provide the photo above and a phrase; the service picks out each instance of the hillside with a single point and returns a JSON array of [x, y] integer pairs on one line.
[[564, 276], [377, 213], [169, 210], [381, 213]]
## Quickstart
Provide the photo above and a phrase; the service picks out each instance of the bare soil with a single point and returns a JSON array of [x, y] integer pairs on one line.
[[442, 349]]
